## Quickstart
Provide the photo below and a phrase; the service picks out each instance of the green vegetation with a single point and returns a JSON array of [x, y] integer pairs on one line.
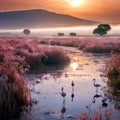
[[26, 31], [113, 71], [102, 29]]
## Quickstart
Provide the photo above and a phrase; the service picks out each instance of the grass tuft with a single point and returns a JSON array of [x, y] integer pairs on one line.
[[113, 71]]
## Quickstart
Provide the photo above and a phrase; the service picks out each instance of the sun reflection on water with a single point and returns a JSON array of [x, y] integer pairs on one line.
[[74, 65]]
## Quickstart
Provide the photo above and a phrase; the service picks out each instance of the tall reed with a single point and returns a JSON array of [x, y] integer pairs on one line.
[[113, 71], [14, 92]]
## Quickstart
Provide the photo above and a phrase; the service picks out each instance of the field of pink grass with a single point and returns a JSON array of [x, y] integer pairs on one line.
[[17, 55], [14, 93], [113, 71], [102, 45], [87, 44]]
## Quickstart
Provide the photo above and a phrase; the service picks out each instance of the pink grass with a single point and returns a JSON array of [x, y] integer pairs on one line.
[[113, 70], [14, 93], [86, 44]]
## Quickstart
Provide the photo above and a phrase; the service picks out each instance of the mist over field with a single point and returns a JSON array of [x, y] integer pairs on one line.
[[80, 30]]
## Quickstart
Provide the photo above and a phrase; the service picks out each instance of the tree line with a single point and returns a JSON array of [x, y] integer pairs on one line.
[[102, 29]]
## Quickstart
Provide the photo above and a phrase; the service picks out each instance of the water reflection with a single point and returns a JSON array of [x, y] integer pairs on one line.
[[63, 110], [74, 65], [81, 91], [95, 97], [117, 106], [114, 96], [104, 104], [72, 94], [104, 100]]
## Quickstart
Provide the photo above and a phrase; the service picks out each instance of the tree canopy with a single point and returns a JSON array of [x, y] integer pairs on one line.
[[102, 29], [105, 26], [26, 31]]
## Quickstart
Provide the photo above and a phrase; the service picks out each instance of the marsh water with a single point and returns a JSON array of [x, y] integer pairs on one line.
[[81, 98]]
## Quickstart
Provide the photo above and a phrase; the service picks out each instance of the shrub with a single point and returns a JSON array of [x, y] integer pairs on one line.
[[60, 34], [26, 31], [13, 92], [73, 34], [113, 71], [33, 59], [54, 56], [102, 29], [38, 56]]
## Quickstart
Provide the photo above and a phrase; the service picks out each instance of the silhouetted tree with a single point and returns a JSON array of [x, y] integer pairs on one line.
[[102, 29], [105, 26], [26, 31], [61, 34]]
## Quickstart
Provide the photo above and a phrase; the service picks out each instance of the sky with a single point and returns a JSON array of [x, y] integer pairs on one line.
[[107, 11]]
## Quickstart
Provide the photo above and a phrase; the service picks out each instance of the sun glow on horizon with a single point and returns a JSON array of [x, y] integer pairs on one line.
[[76, 3]]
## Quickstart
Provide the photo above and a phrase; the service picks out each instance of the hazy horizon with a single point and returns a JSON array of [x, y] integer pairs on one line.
[[79, 30]]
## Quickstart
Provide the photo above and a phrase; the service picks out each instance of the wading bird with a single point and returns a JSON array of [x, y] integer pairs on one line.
[[72, 84], [104, 104], [96, 85], [63, 94], [104, 100]]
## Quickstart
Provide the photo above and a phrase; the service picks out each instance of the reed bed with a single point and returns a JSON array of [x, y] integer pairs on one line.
[[113, 71], [14, 92], [16, 57], [87, 44]]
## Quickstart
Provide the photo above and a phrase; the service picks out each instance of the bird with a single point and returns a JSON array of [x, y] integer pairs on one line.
[[104, 100], [104, 104], [96, 85], [63, 94], [72, 84]]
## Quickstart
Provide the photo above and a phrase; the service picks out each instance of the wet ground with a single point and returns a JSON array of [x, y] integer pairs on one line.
[[81, 97]]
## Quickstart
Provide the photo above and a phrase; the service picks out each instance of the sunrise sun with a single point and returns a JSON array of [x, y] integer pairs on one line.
[[75, 3]]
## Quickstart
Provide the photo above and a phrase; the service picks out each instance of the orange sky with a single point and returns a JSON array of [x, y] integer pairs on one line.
[[100, 10]]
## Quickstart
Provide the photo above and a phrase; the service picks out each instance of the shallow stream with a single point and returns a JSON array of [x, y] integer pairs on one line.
[[82, 98]]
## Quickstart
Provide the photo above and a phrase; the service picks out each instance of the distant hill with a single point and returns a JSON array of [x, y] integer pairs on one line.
[[39, 18]]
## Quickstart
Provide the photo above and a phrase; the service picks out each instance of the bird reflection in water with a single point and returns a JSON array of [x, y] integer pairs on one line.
[[104, 99], [95, 97], [72, 94], [63, 94], [63, 110], [104, 105]]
